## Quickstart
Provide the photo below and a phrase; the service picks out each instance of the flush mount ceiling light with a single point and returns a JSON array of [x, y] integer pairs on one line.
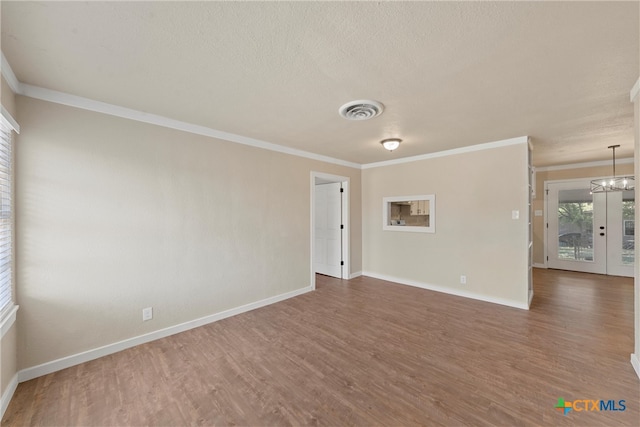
[[363, 109], [391, 143], [613, 183]]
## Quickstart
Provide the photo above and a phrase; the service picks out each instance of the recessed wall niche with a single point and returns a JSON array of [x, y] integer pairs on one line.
[[409, 213]]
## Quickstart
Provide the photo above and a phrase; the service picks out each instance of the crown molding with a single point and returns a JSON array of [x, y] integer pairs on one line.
[[623, 161], [469, 149], [635, 91], [128, 113], [131, 114], [62, 98], [10, 77]]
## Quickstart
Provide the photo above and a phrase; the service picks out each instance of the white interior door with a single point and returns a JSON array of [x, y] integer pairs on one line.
[[328, 229], [587, 232]]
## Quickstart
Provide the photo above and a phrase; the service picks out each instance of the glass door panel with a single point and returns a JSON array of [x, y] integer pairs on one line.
[[576, 220], [628, 227], [575, 225], [620, 235]]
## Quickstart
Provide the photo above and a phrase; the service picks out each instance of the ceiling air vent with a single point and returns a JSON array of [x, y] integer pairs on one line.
[[361, 110]]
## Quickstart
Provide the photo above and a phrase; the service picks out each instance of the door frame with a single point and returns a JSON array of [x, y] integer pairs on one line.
[[346, 255], [546, 211], [602, 256]]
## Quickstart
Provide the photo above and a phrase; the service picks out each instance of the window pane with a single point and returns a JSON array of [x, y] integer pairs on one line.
[[628, 227], [5, 217], [575, 225]]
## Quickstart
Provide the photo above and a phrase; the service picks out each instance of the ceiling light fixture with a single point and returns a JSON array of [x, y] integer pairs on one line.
[[363, 109], [613, 183], [391, 143]]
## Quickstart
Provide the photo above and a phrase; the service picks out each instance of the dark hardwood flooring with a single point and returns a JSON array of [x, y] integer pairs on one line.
[[367, 352]]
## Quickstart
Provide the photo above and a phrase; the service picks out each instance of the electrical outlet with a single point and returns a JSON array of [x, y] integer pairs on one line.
[[463, 279], [147, 314], [515, 214]]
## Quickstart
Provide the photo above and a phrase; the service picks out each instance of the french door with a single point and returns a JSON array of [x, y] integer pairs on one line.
[[593, 233]]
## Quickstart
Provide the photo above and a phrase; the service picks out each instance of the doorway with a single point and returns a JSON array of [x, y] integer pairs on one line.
[[592, 233], [327, 256], [329, 226]]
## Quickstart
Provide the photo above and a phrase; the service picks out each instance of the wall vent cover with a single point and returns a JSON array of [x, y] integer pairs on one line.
[[361, 110]]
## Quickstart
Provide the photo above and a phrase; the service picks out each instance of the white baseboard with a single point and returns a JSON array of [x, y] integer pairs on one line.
[[446, 290], [635, 361], [536, 265], [75, 359], [356, 274], [8, 394]]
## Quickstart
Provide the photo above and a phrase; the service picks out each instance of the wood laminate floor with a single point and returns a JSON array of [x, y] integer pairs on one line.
[[367, 352]]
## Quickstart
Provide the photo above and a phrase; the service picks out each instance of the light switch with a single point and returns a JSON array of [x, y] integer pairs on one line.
[[515, 214]]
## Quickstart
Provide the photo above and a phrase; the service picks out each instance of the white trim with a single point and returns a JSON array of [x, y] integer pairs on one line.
[[447, 290], [635, 91], [8, 120], [356, 274], [62, 98], [537, 265], [10, 77], [128, 113], [635, 362], [8, 394], [346, 241], [530, 298], [312, 231], [8, 319], [346, 232], [624, 161], [545, 222], [75, 359], [469, 149], [533, 178]]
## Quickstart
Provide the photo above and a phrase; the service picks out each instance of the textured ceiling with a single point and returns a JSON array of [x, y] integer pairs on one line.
[[450, 74]]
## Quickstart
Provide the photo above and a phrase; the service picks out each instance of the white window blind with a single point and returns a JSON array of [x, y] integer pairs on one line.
[[6, 222]]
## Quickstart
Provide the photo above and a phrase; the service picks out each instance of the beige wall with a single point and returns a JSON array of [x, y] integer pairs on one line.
[[539, 222], [9, 360], [115, 215], [8, 343], [475, 235]]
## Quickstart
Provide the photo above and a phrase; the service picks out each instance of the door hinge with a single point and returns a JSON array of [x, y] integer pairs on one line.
[[547, 258], [341, 190], [341, 226], [341, 262], [547, 225]]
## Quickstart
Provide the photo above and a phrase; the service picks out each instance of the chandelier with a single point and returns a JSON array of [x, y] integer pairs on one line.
[[614, 183]]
